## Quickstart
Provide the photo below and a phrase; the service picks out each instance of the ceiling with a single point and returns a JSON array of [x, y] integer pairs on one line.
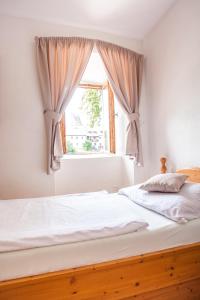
[[129, 18]]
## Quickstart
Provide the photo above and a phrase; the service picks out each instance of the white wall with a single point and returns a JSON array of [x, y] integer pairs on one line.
[[89, 174], [170, 107], [172, 71], [22, 132]]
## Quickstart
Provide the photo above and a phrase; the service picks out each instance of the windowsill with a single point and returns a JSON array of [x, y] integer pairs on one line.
[[86, 156]]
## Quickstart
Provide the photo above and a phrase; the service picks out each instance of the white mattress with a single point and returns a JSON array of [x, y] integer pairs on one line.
[[161, 234]]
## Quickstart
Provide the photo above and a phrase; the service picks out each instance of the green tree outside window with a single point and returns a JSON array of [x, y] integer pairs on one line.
[[91, 104]]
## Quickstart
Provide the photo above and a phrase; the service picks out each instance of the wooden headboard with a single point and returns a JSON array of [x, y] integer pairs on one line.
[[194, 173]]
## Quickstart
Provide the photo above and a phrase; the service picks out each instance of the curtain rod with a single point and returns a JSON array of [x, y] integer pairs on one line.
[[79, 37]]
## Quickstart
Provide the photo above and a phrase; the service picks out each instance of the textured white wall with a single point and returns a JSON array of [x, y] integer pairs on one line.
[[172, 100], [22, 132]]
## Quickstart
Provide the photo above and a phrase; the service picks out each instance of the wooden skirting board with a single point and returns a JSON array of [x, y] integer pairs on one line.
[[166, 275]]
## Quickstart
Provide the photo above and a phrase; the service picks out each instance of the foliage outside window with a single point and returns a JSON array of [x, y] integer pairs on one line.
[[91, 103]]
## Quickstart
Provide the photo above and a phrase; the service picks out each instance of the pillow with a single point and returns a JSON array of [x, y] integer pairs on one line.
[[165, 183], [179, 207], [191, 191]]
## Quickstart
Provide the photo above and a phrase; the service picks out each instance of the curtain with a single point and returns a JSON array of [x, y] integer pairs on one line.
[[61, 62], [124, 70]]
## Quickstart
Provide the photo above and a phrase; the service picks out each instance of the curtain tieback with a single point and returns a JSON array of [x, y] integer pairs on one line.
[[133, 117], [53, 115]]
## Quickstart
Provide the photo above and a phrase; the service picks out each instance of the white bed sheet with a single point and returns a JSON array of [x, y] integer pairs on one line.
[[162, 233]]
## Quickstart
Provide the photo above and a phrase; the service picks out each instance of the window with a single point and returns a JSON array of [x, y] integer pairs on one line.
[[89, 122]]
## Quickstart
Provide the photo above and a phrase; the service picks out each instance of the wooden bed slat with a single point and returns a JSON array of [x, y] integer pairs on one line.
[[183, 291], [114, 280]]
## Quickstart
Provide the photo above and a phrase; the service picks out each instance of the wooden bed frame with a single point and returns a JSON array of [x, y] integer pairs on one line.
[[169, 274]]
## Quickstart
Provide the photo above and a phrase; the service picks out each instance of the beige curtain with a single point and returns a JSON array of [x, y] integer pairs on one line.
[[61, 63], [124, 69]]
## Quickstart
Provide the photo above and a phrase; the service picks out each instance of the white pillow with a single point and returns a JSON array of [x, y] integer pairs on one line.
[[191, 191], [179, 207], [166, 183]]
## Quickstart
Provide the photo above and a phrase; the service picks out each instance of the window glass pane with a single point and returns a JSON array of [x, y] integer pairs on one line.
[[87, 122]]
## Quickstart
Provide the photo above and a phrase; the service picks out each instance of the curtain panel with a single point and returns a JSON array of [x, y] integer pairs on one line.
[[61, 63], [124, 70]]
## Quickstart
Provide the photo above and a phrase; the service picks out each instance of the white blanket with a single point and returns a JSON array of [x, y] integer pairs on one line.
[[38, 222]]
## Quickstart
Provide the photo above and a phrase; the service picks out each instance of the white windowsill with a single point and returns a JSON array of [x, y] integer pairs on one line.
[[86, 156]]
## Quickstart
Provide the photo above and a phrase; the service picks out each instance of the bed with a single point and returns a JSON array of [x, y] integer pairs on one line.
[[112, 267]]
